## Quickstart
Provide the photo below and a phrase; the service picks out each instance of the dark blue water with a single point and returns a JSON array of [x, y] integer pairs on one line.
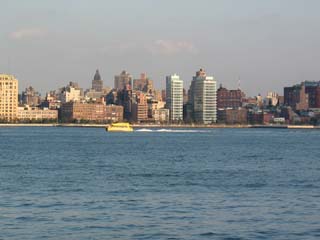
[[77, 183]]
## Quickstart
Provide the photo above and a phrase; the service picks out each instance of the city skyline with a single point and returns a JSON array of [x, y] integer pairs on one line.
[[46, 44]]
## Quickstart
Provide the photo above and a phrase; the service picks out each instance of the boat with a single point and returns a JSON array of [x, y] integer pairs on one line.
[[119, 127]]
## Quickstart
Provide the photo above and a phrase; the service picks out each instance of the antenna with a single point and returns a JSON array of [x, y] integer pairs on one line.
[[239, 86]]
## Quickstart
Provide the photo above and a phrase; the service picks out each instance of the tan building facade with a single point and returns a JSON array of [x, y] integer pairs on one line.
[[94, 112], [161, 115], [8, 98], [36, 114], [140, 108]]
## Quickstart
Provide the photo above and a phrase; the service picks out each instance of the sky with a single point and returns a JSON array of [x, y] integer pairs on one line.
[[266, 44]]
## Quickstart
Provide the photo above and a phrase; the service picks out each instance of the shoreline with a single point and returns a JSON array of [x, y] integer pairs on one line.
[[3, 125]]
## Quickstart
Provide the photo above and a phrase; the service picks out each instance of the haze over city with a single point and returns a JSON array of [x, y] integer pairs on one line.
[[267, 44]]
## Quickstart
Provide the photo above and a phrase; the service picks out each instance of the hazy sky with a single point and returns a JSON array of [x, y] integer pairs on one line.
[[268, 44]]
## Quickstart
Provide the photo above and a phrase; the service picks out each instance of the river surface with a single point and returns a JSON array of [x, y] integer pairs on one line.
[[85, 183]]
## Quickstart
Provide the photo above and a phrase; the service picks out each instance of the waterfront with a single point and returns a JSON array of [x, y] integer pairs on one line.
[[162, 126], [71, 183]]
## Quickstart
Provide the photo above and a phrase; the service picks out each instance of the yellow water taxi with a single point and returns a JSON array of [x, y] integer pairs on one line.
[[119, 127]]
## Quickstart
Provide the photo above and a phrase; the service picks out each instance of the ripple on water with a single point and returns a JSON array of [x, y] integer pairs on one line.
[[69, 183]]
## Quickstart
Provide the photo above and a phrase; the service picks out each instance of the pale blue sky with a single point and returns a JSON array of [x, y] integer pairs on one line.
[[269, 44]]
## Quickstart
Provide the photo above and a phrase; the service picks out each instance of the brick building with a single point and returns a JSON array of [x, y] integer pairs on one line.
[[140, 108], [92, 112], [229, 98], [233, 116]]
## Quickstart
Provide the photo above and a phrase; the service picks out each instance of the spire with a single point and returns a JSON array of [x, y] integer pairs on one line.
[[97, 75]]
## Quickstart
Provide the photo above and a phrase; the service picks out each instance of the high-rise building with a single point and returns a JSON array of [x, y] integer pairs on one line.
[[312, 88], [203, 98], [303, 96], [72, 92], [272, 99], [123, 81], [143, 84], [125, 98], [8, 97], [30, 97], [296, 97], [174, 98], [139, 108], [97, 83]]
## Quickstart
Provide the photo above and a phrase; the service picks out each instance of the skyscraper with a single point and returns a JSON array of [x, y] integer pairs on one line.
[[30, 97], [8, 97], [203, 91], [143, 84], [122, 81], [174, 98], [97, 83]]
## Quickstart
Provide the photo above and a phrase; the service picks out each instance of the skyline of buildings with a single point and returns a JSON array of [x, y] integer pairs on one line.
[[202, 103]]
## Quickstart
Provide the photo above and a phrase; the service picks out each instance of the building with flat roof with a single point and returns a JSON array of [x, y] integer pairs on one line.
[[139, 108], [91, 112], [30, 97], [123, 80], [296, 97], [28, 113], [229, 98], [8, 98], [70, 93], [174, 98], [203, 98]]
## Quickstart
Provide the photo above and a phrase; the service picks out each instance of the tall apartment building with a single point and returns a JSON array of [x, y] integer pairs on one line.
[[30, 97], [272, 99], [140, 108], [123, 80], [303, 96], [97, 83], [203, 98], [70, 93], [296, 97], [312, 88], [124, 98], [143, 84], [8, 97], [174, 98]]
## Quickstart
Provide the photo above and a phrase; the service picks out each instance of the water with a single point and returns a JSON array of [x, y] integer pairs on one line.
[[77, 183]]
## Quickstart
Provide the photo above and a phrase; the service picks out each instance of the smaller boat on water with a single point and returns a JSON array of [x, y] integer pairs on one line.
[[119, 127]]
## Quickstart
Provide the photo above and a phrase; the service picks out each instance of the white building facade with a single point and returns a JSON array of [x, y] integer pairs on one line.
[[204, 98], [174, 97]]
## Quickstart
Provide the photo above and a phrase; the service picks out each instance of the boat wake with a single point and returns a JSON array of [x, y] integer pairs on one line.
[[144, 130], [172, 130]]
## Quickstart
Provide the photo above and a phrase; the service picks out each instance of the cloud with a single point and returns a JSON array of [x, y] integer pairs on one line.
[[168, 47], [158, 47], [27, 33], [119, 48]]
